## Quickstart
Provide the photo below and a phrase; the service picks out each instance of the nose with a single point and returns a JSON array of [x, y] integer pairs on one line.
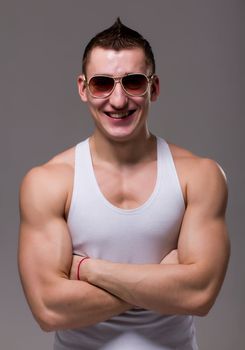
[[118, 97]]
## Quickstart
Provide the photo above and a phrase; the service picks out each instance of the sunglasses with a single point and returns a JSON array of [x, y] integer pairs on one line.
[[102, 86]]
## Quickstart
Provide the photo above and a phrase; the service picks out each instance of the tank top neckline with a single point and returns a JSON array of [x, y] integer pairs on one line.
[[150, 198]]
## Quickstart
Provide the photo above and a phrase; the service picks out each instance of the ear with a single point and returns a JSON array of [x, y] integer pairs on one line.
[[155, 88], [81, 84]]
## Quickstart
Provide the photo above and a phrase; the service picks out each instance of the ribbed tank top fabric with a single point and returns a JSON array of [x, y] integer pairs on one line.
[[141, 235]]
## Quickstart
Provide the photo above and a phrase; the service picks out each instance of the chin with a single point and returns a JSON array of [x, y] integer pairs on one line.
[[122, 131]]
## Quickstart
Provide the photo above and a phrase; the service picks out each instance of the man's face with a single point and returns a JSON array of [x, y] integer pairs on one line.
[[119, 116]]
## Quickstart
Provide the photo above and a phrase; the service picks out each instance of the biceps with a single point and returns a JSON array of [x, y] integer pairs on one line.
[[44, 254], [204, 242]]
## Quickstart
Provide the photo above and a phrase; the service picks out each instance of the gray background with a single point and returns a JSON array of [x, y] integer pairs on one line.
[[199, 49]]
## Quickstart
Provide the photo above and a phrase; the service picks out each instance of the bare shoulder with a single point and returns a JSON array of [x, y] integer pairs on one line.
[[48, 185], [55, 170], [199, 175]]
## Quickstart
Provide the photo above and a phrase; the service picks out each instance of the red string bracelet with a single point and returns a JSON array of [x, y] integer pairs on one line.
[[78, 266]]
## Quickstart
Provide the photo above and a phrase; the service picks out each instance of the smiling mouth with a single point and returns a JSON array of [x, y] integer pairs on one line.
[[119, 115]]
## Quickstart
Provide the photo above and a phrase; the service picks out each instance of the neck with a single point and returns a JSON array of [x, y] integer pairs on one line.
[[122, 153]]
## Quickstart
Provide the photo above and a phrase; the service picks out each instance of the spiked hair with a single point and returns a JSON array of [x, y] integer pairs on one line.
[[118, 37]]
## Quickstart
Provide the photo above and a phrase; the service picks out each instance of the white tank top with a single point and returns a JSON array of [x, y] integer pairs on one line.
[[141, 235]]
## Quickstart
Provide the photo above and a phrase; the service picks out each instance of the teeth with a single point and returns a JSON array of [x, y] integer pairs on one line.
[[118, 115]]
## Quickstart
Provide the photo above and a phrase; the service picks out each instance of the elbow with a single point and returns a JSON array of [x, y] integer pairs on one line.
[[202, 310], [46, 326], [47, 320], [203, 304]]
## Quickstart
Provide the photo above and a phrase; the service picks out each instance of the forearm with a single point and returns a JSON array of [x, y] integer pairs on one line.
[[66, 304], [168, 289]]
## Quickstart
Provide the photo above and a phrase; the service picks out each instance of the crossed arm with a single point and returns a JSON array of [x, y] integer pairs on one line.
[[45, 257], [107, 289], [187, 287]]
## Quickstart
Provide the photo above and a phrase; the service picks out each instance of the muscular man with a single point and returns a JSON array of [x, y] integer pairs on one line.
[[149, 215]]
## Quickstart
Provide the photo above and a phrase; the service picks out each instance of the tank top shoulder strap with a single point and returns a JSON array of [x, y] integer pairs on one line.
[[81, 172], [82, 163], [167, 170]]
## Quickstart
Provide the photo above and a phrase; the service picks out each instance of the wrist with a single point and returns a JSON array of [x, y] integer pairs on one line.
[[79, 266], [87, 269]]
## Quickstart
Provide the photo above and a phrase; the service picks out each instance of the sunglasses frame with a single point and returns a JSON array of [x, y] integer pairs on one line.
[[118, 80]]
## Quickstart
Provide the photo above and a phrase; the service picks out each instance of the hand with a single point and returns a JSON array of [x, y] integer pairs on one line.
[[171, 258]]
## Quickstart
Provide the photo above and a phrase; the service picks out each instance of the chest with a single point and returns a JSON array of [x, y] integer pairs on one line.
[[132, 214], [129, 187], [142, 233]]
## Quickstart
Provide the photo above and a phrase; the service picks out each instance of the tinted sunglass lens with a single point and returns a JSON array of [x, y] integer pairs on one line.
[[101, 86], [135, 84]]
